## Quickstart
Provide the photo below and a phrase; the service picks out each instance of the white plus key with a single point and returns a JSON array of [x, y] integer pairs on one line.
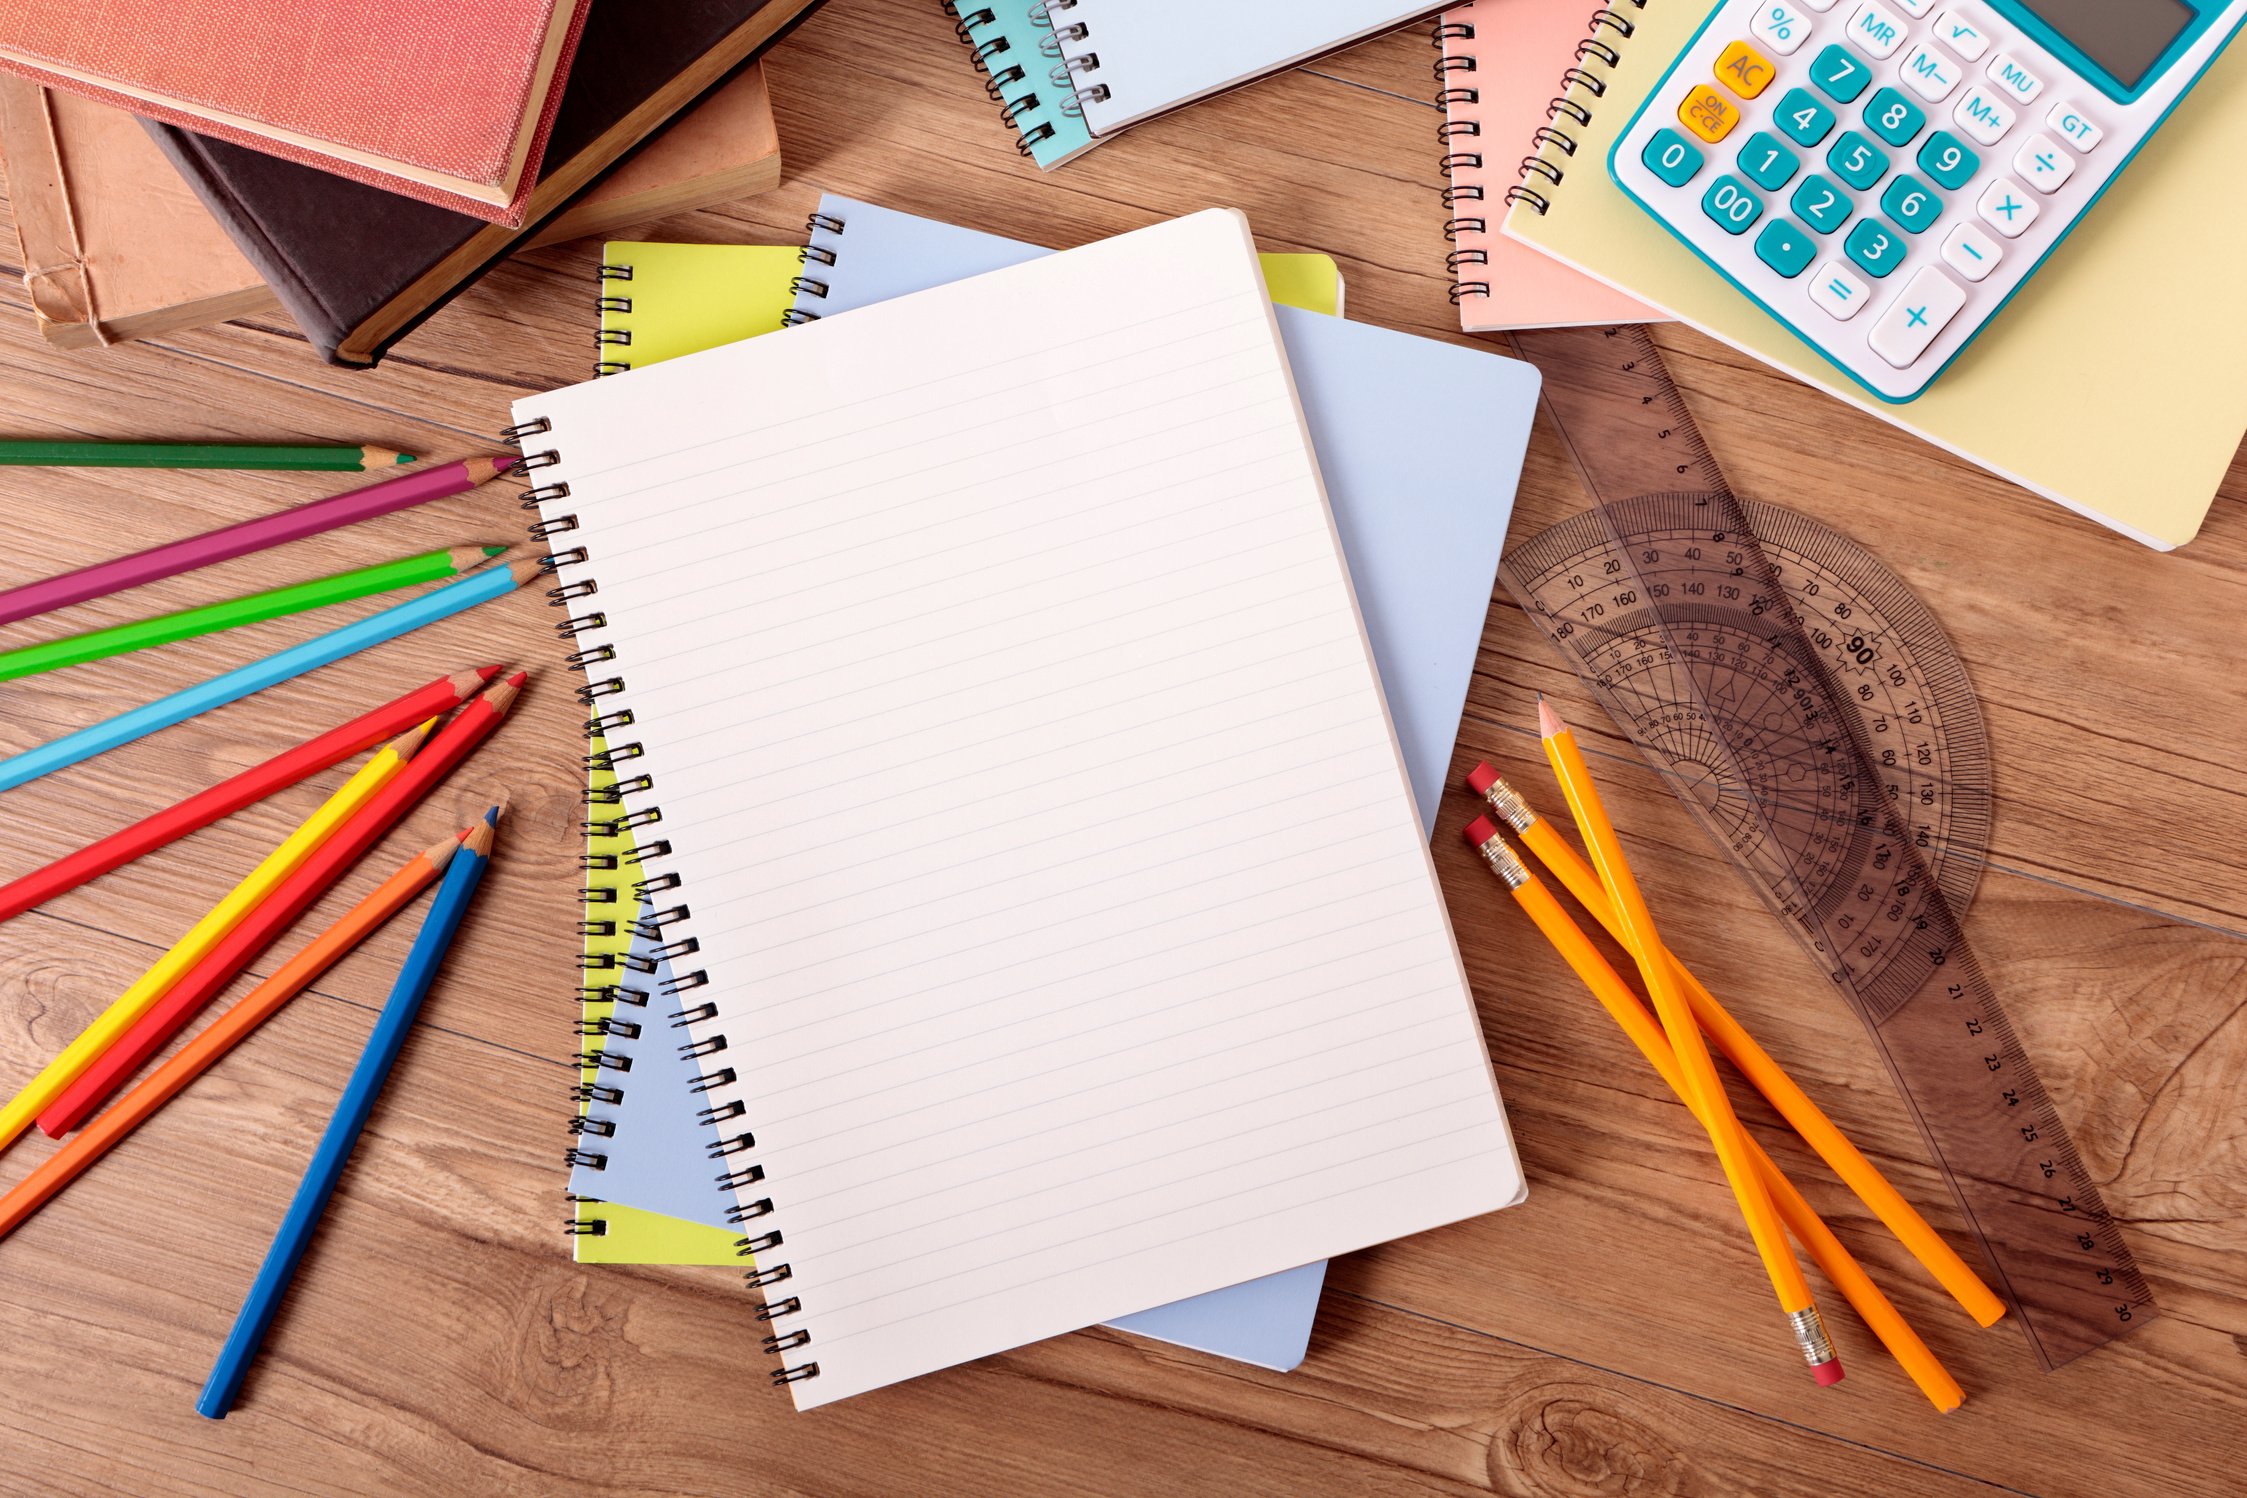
[[1959, 31], [1876, 29], [1930, 73], [2043, 165], [1782, 28], [2008, 207], [1914, 319]]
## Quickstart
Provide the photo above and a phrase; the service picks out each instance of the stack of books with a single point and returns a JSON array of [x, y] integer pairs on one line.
[[359, 184]]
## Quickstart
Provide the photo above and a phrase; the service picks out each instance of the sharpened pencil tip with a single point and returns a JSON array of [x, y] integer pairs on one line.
[[1548, 721], [486, 673], [496, 549], [406, 744], [479, 840], [441, 853]]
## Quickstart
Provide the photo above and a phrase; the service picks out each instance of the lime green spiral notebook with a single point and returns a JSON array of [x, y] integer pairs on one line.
[[662, 301]]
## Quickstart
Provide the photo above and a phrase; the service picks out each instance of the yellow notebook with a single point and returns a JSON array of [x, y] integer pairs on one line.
[[2110, 383], [711, 295]]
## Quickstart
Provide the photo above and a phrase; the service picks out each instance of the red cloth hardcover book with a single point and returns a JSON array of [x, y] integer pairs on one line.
[[448, 101]]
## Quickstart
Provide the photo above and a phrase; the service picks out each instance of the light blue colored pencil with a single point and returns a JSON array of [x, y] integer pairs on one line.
[[322, 650], [351, 1111]]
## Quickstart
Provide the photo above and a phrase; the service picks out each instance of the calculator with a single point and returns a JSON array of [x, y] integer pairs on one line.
[[1883, 175]]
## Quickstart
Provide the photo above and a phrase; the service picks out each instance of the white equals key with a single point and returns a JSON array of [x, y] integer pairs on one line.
[[1914, 319]]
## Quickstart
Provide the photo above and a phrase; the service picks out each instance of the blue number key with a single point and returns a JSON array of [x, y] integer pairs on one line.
[[1894, 118], [1673, 158], [1911, 203], [1767, 161], [1785, 248], [1875, 247], [1948, 160], [1803, 117], [1823, 206], [1731, 205], [1857, 161], [1841, 74]]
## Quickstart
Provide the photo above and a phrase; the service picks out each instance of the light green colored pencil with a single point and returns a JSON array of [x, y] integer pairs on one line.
[[76, 650]]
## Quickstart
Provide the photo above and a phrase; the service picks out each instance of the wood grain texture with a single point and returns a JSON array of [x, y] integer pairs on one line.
[[1612, 1335]]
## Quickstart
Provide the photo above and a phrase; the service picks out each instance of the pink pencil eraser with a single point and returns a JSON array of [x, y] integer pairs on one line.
[[1481, 830], [1481, 778], [1827, 1374]]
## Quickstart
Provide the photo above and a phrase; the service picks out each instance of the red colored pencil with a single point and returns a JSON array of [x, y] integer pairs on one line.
[[230, 796], [224, 1033], [175, 557], [453, 743]]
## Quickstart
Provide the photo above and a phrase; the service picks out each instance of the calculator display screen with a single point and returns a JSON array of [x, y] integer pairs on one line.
[[2125, 37]]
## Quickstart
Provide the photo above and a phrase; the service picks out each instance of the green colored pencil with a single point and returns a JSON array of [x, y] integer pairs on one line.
[[196, 455], [76, 650]]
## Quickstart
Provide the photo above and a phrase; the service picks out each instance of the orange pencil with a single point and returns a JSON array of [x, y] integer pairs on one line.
[[224, 1033], [1858, 1173], [1615, 996], [1703, 1086]]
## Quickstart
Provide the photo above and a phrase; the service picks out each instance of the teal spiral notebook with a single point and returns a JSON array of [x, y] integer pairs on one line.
[[1068, 74]]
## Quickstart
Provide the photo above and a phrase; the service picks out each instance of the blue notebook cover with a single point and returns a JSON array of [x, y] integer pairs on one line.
[[1421, 526]]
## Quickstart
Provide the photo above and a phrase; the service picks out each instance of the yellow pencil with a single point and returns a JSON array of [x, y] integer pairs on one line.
[[1615, 996], [1692, 1051], [207, 933], [1754, 1063]]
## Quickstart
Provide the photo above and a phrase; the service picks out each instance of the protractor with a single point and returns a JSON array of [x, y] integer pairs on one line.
[[1741, 728]]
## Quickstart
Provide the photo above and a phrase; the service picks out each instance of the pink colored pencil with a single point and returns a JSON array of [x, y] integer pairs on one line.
[[173, 558]]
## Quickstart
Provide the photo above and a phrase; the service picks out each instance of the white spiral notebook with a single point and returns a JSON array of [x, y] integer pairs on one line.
[[1030, 838]]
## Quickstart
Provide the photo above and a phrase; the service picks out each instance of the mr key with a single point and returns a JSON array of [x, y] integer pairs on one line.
[[1883, 175]]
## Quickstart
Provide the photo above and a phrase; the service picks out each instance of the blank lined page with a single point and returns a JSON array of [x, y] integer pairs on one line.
[[1072, 944]]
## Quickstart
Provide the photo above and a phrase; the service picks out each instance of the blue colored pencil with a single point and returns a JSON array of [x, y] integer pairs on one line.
[[373, 1069], [322, 650]]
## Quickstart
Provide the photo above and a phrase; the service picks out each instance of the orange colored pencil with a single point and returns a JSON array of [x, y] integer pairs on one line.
[[1731, 1037], [227, 1031], [1839, 1266], [1702, 1083]]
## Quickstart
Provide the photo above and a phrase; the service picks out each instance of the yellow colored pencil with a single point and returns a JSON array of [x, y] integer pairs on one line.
[[1768, 1077], [1699, 1068], [207, 933], [1839, 1266]]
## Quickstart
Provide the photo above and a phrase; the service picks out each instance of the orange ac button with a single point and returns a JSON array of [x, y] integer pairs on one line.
[[1744, 70], [1708, 113]]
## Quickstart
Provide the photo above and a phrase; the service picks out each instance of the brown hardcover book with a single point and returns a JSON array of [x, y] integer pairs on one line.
[[357, 267], [117, 247]]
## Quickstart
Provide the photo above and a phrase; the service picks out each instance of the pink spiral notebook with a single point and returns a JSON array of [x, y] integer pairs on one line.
[[1500, 76]]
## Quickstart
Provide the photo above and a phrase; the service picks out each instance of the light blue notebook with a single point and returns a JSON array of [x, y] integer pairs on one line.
[[1421, 522], [1068, 74]]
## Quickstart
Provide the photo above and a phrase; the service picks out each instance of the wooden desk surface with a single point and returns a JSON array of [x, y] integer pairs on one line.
[[1613, 1335]]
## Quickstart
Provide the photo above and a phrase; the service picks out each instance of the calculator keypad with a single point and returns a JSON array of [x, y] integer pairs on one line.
[[1880, 174]]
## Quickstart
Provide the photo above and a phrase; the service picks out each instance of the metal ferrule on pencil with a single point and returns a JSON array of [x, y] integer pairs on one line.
[[1810, 1335], [1509, 804], [1504, 863]]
